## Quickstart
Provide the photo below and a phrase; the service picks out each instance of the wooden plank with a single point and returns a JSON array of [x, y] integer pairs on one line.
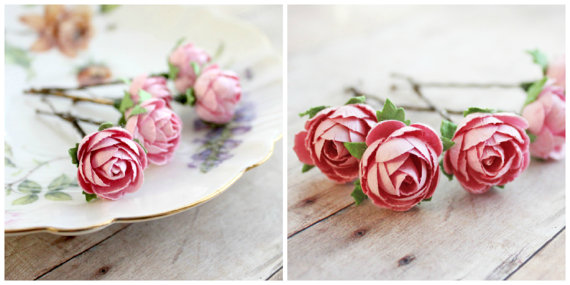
[[312, 197], [30, 256], [455, 236], [547, 264], [238, 235]]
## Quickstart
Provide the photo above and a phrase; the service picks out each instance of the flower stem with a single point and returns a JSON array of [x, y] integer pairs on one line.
[[106, 83], [356, 92], [71, 119], [418, 90], [59, 93]]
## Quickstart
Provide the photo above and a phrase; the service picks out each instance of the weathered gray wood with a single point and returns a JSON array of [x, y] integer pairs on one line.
[[457, 235], [30, 256], [238, 235], [547, 264]]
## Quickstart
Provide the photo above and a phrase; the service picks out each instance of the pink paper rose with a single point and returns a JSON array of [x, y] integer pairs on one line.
[[111, 164], [156, 86], [321, 144], [399, 168], [547, 121], [557, 71], [217, 94], [182, 57], [489, 150], [158, 129]]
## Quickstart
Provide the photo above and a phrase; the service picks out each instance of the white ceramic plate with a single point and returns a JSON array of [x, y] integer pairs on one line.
[[132, 40]]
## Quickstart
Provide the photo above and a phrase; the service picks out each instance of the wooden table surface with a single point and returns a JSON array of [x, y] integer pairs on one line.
[[513, 233], [237, 235]]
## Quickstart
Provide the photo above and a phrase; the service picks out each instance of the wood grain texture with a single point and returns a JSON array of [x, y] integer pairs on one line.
[[235, 236], [31, 256], [547, 264], [457, 235]]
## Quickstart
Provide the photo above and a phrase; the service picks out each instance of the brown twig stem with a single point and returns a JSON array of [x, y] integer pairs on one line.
[[356, 92], [418, 90], [470, 85], [58, 93], [106, 83]]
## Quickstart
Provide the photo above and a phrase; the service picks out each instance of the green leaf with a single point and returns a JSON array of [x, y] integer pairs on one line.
[[18, 56], [122, 121], [61, 182], [8, 189], [172, 71], [313, 111], [447, 143], [29, 187], [534, 90], [178, 43], [219, 51], [89, 197], [356, 100], [526, 85], [104, 9], [356, 149], [539, 58], [190, 97], [449, 176], [73, 153], [7, 149], [195, 67], [427, 199], [137, 110], [472, 110], [531, 136], [357, 193], [307, 167], [126, 103], [391, 112], [28, 199], [139, 142], [8, 162], [447, 129], [144, 95], [57, 196], [105, 125], [126, 80], [500, 186]]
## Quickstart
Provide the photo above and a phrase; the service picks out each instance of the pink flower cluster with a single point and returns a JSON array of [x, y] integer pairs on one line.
[[399, 166], [217, 91], [547, 114]]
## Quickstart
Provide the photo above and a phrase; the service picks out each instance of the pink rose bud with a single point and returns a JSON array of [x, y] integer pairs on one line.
[[110, 163], [547, 121], [557, 71], [322, 144], [489, 150], [400, 167], [158, 129], [182, 57], [217, 94], [156, 86]]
